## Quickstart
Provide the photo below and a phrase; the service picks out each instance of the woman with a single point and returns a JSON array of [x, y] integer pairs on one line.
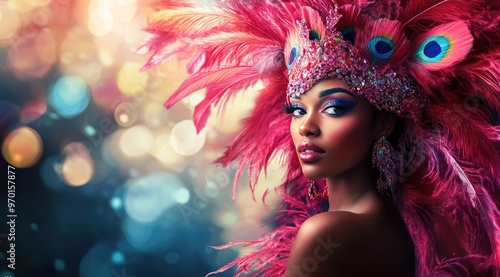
[[333, 131], [410, 87]]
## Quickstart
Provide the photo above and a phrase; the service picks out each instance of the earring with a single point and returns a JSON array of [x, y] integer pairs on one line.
[[384, 160], [313, 190]]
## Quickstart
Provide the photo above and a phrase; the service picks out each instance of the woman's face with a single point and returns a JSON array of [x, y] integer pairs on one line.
[[332, 129]]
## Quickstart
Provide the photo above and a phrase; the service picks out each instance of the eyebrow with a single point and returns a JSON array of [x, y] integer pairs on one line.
[[326, 92]]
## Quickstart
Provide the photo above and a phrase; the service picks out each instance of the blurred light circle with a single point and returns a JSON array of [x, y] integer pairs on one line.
[[125, 8], [130, 80], [195, 98], [172, 258], [136, 141], [97, 262], [77, 167], [100, 22], [238, 107], [126, 114], [90, 71], [77, 49], [106, 57], [33, 56], [59, 265], [162, 150], [23, 5], [9, 22], [115, 203], [148, 197], [225, 218], [149, 237], [33, 111], [34, 226], [155, 114], [22, 147], [181, 196], [184, 139], [106, 94], [117, 257], [41, 17], [69, 96], [126, 2]]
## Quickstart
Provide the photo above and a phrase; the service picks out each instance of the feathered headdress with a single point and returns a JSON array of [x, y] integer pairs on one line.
[[435, 63]]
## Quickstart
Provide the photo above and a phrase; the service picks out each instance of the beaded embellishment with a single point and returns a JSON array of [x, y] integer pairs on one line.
[[335, 58]]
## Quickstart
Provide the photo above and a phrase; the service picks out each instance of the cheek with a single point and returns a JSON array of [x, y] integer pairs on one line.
[[294, 131], [352, 135]]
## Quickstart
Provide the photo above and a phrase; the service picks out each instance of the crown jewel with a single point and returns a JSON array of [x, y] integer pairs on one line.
[[333, 57]]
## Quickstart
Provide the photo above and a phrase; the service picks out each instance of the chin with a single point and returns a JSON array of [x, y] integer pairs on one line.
[[314, 173]]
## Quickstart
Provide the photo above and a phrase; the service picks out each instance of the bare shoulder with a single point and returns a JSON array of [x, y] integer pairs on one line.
[[345, 244], [339, 223]]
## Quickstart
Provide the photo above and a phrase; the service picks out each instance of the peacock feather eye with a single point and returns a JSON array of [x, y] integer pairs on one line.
[[294, 51], [443, 46], [349, 34], [433, 49], [381, 47], [314, 35]]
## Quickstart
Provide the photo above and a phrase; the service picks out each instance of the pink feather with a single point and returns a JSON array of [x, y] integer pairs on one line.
[[419, 13], [220, 77], [460, 42], [385, 28], [450, 203], [196, 62], [221, 91], [192, 22]]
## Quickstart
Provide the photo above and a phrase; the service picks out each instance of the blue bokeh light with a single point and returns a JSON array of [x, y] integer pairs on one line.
[[148, 197], [172, 258], [117, 257], [69, 96], [34, 226], [59, 265], [116, 203]]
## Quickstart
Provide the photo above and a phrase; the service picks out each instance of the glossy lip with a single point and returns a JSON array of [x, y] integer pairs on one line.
[[315, 152]]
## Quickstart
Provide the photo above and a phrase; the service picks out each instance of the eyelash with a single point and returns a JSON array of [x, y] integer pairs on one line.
[[291, 108]]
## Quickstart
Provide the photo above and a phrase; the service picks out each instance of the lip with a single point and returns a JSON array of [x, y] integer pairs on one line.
[[310, 152]]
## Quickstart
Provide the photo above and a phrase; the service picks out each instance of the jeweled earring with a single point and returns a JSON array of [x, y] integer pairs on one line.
[[384, 160], [314, 191]]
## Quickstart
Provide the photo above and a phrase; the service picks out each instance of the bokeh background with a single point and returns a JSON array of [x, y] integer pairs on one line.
[[109, 182]]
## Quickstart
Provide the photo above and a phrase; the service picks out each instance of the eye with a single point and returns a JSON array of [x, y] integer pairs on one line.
[[297, 112], [334, 110], [294, 109], [338, 107]]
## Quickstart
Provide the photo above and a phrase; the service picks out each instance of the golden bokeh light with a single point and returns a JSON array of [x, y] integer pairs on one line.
[[136, 141], [184, 139], [125, 114], [28, 63], [9, 23], [24, 5], [22, 147], [77, 168], [162, 150], [130, 81], [101, 20]]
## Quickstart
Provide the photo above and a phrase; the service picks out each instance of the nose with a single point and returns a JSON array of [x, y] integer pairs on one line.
[[309, 128]]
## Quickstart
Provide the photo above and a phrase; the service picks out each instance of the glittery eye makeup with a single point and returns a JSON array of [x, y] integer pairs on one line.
[[338, 106], [294, 109]]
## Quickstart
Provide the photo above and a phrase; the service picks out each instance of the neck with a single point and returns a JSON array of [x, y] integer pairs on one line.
[[349, 190]]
